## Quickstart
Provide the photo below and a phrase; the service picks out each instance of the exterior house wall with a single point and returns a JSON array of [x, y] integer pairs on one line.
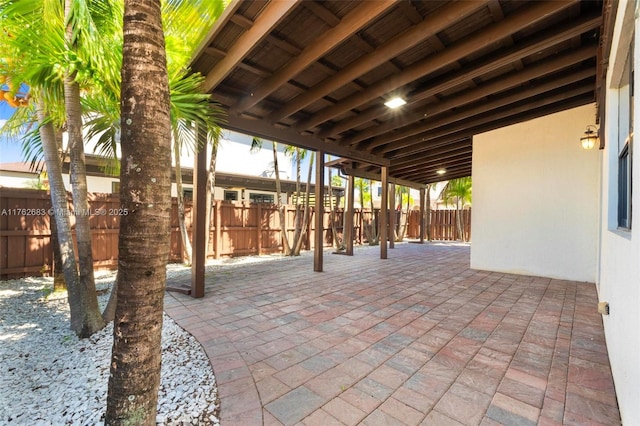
[[535, 198], [619, 273], [17, 179], [233, 156]]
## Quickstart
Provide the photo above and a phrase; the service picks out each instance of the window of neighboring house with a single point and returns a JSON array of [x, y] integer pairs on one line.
[[187, 194], [625, 143], [261, 198], [115, 187], [380, 191], [231, 195]]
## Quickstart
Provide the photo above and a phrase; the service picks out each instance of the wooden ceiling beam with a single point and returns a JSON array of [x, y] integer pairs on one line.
[[435, 147], [439, 146], [516, 22], [273, 13], [288, 136], [496, 85], [479, 108], [377, 176], [429, 176], [471, 71], [527, 111], [351, 23], [438, 21], [418, 172], [434, 157], [437, 178]]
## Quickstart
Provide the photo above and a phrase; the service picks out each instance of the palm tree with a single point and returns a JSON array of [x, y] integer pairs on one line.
[[458, 191], [339, 243], [79, 31], [256, 145], [374, 238], [39, 29], [145, 192]]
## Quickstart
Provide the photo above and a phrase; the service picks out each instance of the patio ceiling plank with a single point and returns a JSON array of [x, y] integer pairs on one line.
[[470, 72], [470, 66], [528, 111], [429, 26], [274, 12], [350, 24], [487, 36], [445, 122], [496, 85]]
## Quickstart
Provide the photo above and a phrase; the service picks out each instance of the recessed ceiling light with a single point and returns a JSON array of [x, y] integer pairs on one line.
[[395, 102], [441, 171]]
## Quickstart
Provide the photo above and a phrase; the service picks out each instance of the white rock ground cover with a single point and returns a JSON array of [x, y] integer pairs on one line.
[[50, 377]]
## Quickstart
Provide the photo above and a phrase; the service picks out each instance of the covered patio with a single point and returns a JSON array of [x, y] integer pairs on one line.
[[419, 338]]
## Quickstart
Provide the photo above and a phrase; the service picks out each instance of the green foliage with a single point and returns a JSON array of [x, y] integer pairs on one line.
[[363, 186], [458, 192], [35, 52]]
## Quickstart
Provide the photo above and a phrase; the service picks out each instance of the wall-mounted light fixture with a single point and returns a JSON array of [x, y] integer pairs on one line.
[[441, 171], [590, 137]]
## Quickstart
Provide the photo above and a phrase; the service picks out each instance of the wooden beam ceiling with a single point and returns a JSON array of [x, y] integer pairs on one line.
[[315, 74]]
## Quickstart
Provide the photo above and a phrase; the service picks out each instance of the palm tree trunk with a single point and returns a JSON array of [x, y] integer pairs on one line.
[[459, 219], [92, 318], [373, 231], [61, 211], [298, 212], [334, 232], [144, 239], [211, 185], [283, 224], [405, 224], [58, 272], [307, 209], [186, 243], [427, 220]]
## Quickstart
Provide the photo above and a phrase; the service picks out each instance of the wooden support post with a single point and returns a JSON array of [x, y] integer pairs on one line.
[[392, 215], [384, 207], [319, 213], [199, 225], [421, 221], [348, 223]]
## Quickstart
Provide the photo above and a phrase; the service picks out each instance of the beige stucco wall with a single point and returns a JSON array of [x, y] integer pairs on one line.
[[535, 198]]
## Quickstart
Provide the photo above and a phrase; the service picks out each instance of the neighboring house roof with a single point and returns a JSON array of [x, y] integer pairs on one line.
[[19, 167], [95, 167]]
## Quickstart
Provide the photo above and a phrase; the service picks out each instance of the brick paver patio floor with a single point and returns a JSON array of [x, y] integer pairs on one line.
[[417, 339]]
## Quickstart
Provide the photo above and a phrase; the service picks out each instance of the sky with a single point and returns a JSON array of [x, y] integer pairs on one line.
[[9, 151]]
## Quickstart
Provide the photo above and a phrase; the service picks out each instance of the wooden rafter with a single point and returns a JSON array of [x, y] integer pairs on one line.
[[432, 63], [351, 23]]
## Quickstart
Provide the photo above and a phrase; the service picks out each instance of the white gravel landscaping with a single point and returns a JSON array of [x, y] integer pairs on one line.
[[50, 377]]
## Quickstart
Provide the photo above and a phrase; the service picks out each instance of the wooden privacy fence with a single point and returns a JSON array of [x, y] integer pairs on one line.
[[237, 229], [442, 225]]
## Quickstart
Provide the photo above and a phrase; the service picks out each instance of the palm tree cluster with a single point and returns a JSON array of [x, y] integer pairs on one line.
[[67, 56], [113, 71], [458, 192]]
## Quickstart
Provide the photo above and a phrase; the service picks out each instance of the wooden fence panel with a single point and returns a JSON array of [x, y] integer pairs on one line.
[[25, 236], [237, 228], [443, 225]]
